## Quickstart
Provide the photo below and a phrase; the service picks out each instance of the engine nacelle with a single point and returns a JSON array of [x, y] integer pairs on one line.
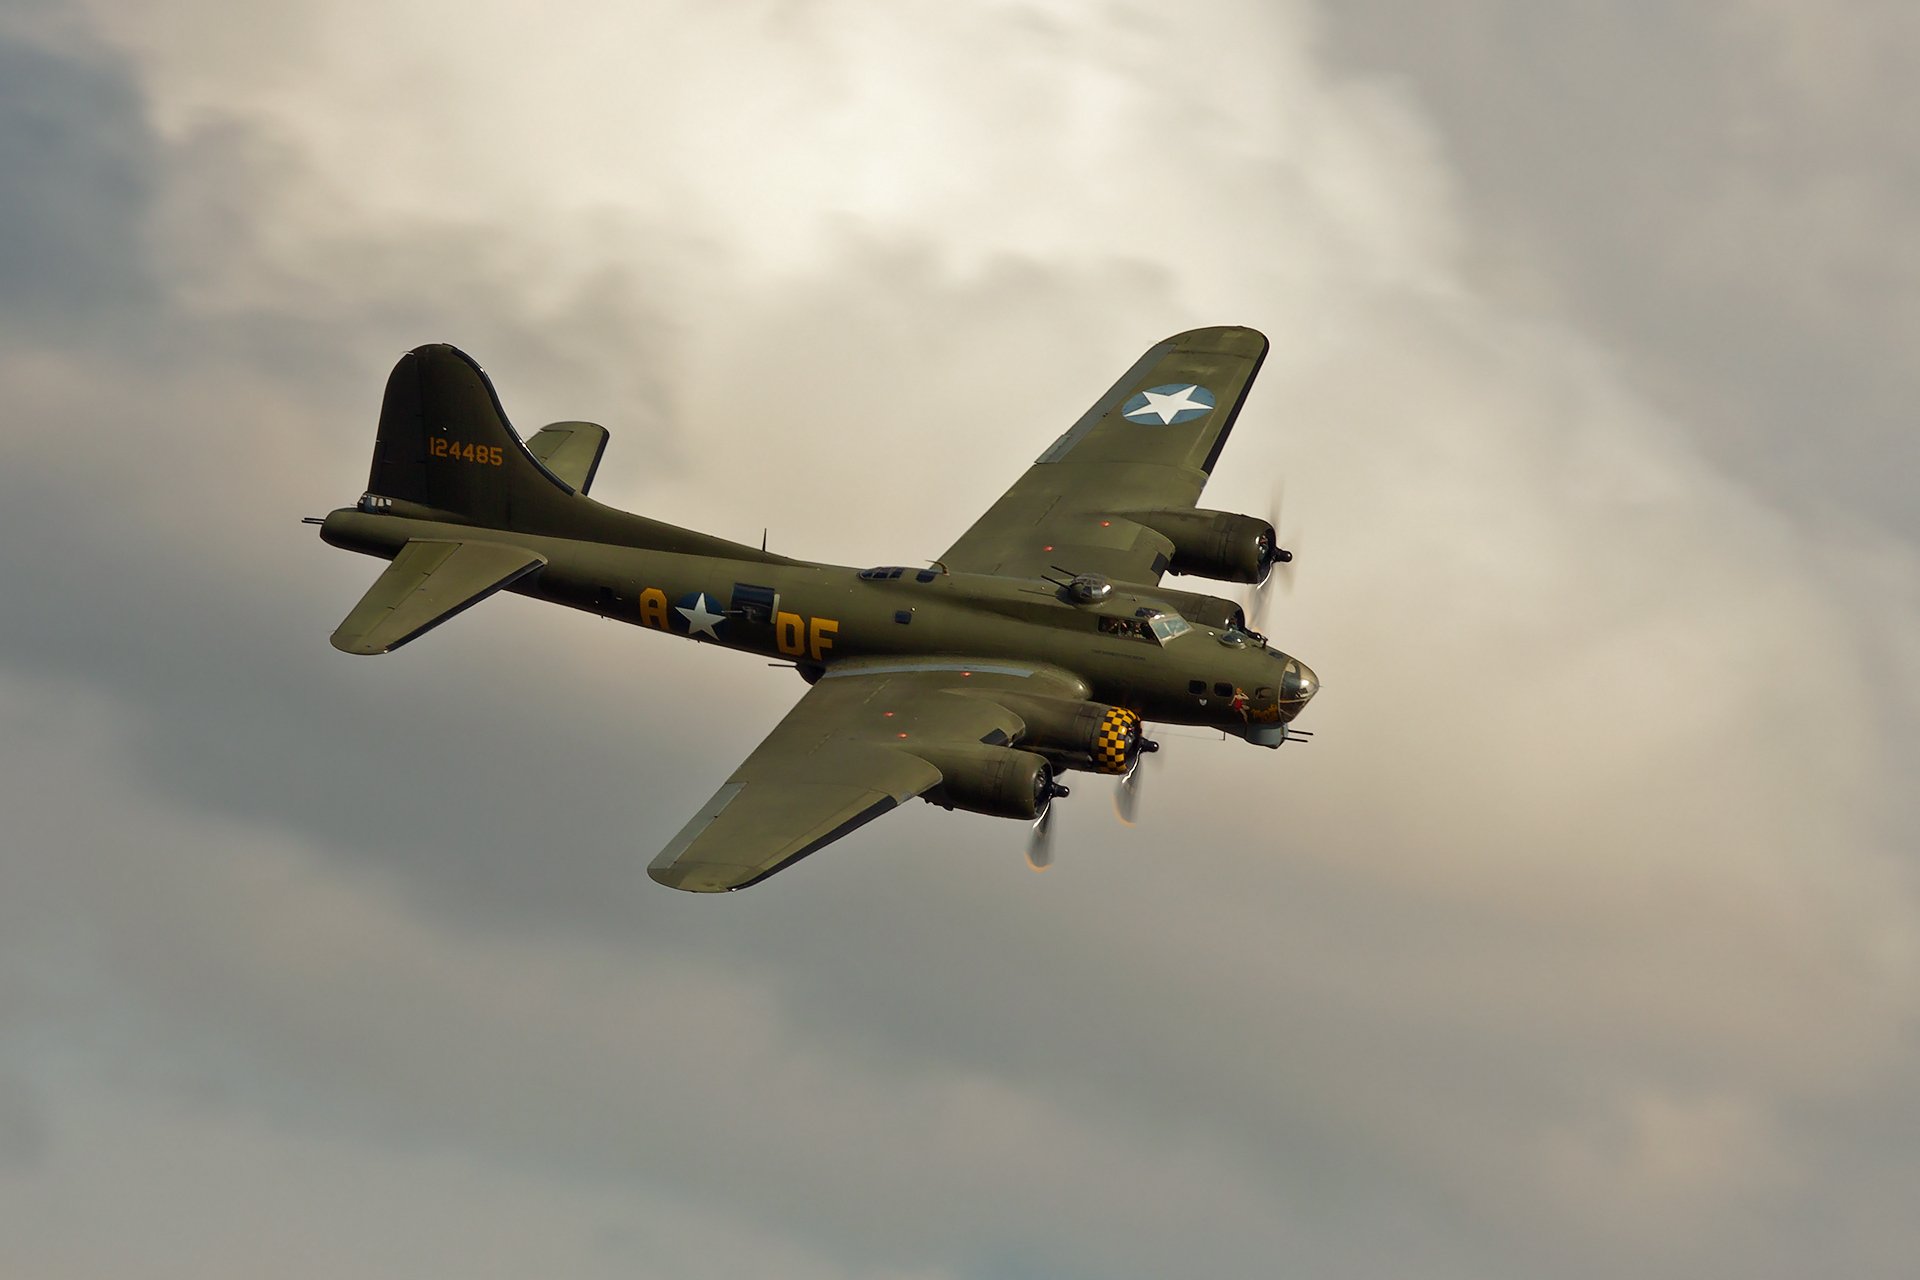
[[1083, 735], [1214, 544], [1002, 781]]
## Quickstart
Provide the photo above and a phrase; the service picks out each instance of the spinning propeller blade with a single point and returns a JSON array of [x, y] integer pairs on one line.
[[1281, 571], [1126, 796], [1040, 841]]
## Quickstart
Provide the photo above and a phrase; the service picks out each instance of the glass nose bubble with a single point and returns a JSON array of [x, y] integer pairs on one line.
[[1309, 683], [1299, 683]]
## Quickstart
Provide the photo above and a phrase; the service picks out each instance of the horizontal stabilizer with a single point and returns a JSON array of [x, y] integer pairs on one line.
[[427, 583], [571, 450]]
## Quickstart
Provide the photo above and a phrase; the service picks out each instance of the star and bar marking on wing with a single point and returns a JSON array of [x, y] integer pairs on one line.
[[1167, 405]]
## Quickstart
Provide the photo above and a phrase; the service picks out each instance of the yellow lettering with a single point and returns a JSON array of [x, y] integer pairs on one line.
[[653, 608], [824, 629], [789, 634]]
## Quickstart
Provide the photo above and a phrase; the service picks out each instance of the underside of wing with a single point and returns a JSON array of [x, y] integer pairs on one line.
[[861, 742], [1147, 445], [749, 830]]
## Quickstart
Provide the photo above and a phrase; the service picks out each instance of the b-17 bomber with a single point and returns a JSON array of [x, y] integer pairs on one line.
[[1040, 643]]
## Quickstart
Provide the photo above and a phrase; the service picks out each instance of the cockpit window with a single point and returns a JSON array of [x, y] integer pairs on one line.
[[1168, 625], [1150, 625]]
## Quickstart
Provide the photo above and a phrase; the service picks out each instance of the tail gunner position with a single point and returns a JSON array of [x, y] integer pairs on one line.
[[1038, 643]]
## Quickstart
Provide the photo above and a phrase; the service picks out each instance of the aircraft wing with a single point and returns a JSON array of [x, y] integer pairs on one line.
[[1149, 443], [845, 754]]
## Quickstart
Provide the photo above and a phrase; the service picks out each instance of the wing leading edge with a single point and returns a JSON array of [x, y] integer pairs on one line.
[[1148, 444]]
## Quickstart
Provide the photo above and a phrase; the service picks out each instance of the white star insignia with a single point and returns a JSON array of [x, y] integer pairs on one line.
[[699, 620], [1167, 407]]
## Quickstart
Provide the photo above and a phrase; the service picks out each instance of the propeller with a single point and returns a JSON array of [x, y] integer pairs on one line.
[[1126, 796], [1281, 568], [1040, 841]]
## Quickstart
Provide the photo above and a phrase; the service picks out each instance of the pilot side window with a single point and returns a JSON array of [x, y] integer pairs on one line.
[[1170, 626]]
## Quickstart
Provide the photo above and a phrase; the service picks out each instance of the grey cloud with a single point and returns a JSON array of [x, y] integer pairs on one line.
[[82, 170], [193, 438], [1551, 956], [23, 1127], [1725, 192]]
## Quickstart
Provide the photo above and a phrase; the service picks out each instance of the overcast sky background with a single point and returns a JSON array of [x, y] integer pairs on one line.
[[1584, 941]]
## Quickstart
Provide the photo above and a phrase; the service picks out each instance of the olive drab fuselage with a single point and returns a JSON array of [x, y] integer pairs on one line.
[[814, 615]]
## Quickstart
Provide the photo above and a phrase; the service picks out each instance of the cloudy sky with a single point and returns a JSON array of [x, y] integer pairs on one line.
[[1585, 941]]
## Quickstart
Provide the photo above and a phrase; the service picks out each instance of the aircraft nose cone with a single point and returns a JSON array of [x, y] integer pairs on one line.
[[1299, 683], [1309, 683]]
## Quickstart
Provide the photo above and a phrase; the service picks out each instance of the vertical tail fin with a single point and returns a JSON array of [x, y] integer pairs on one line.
[[444, 442]]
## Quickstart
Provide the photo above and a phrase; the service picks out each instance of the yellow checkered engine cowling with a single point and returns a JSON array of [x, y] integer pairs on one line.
[[1116, 741]]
